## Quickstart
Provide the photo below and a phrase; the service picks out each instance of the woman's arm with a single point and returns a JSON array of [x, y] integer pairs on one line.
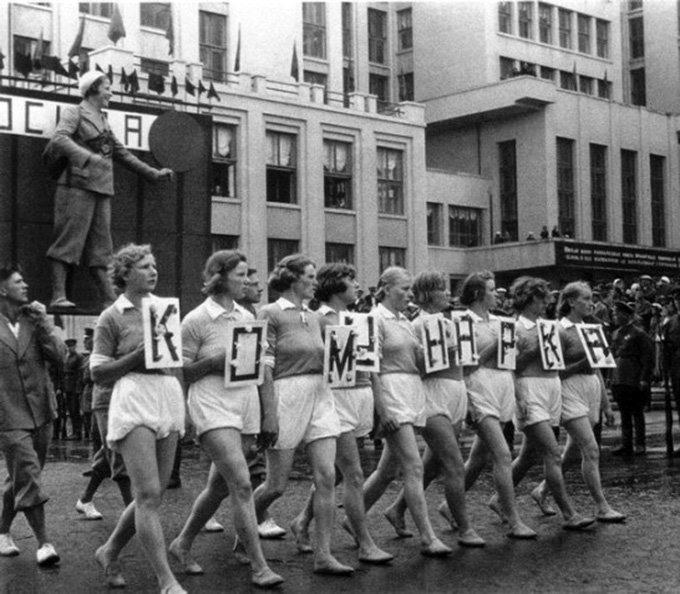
[[110, 371]]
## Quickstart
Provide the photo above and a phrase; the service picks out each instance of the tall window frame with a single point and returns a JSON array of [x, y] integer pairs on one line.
[[314, 30], [405, 29], [638, 87], [505, 17], [465, 226], [583, 22], [629, 196], [602, 34], [337, 174], [224, 160], [347, 35], [657, 181], [391, 256], [566, 192], [565, 27], [406, 86], [390, 174], [281, 167], [507, 178], [525, 19], [377, 36], [598, 191], [435, 223], [545, 23], [636, 35], [212, 43]]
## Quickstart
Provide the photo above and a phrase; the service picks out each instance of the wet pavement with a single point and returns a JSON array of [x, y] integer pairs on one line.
[[641, 555]]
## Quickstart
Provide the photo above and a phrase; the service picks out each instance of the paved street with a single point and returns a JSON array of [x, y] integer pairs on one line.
[[638, 556]]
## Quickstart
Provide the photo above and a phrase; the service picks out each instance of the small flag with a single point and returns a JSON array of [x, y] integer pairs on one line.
[[156, 83], [189, 87], [212, 93], [78, 41], [116, 26], [109, 74], [134, 82], [38, 53], [237, 60], [23, 64], [170, 34], [174, 89], [72, 70], [53, 63], [98, 68], [201, 88], [294, 67], [124, 82]]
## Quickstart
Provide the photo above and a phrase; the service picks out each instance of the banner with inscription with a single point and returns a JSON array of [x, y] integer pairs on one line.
[[339, 356], [464, 330], [434, 342]]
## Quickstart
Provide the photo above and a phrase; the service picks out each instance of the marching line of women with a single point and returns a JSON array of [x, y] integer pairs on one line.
[[294, 405]]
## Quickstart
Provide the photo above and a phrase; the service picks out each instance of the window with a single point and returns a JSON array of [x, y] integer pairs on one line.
[[347, 30], [281, 168], [638, 92], [545, 23], [636, 29], [585, 85], [568, 81], [434, 223], [598, 191], [547, 73], [507, 164], [584, 34], [154, 66], [102, 9], [657, 165], [28, 46], [508, 69], [505, 17], [224, 242], [278, 249], [629, 195], [406, 90], [465, 226], [154, 14], [390, 182], [391, 256], [604, 89], [377, 36], [213, 45], [566, 202], [634, 5], [224, 161], [525, 16], [337, 174], [602, 32], [340, 252], [378, 85], [405, 29], [314, 29], [564, 17]]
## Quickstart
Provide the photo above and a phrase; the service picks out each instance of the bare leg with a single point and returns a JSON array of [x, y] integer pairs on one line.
[[477, 459], [59, 274], [101, 280], [279, 463]]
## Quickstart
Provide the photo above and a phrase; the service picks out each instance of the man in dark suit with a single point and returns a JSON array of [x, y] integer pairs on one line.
[[28, 341], [633, 351], [82, 203]]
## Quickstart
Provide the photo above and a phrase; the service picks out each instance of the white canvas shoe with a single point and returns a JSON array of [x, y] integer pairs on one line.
[[89, 510]]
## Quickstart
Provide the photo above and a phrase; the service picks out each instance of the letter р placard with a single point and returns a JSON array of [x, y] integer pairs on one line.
[[162, 333]]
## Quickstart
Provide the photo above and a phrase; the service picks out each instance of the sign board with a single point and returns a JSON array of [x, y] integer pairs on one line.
[[246, 345], [367, 341], [550, 345], [595, 344], [507, 343], [339, 356], [162, 332], [434, 342], [464, 331]]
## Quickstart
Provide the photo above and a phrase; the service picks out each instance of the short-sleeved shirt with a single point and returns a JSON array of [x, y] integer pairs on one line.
[[294, 339], [119, 331], [398, 343], [527, 340]]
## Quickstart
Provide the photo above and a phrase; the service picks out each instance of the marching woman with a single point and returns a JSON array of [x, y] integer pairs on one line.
[[335, 291], [539, 401], [445, 410], [491, 401], [400, 404], [226, 419], [146, 415], [303, 407], [583, 397]]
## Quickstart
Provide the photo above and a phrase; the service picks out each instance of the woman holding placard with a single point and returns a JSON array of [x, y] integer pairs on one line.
[[445, 410], [539, 401], [583, 397], [335, 291], [302, 406], [400, 404], [227, 419], [491, 401], [146, 416]]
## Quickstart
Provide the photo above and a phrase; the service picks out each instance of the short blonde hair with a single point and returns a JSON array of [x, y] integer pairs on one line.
[[124, 259]]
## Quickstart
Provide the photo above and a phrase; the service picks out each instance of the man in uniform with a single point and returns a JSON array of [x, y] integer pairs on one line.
[[72, 385]]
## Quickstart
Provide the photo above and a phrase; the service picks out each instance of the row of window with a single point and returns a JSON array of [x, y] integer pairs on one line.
[[566, 193], [464, 225], [555, 26], [335, 252], [281, 163], [571, 81], [151, 14]]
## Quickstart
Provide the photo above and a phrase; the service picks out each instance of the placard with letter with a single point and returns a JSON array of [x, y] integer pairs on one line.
[[550, 345], [507, 343], [340, 356], [246, 345], [434, 342], [367, 341], [595, 344], [464, 332], [162, 332]]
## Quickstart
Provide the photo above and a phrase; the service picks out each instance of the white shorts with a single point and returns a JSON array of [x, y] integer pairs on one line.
[[491, 393], [355, 409], [305, 409], [404, 398], [212, 406], [581, 397], [145, 400], [446, 397], [539, 399]]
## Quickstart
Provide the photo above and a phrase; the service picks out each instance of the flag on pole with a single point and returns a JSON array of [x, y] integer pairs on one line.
[[53, 63], [212, 93], [237, 60], [124, 82], [174, 88], [294, 67], [116, 26], [201, 88], [189, 87], [72, 69], [109, 74], [170, 34], [78, 41], [23, 64], [134, 82]]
